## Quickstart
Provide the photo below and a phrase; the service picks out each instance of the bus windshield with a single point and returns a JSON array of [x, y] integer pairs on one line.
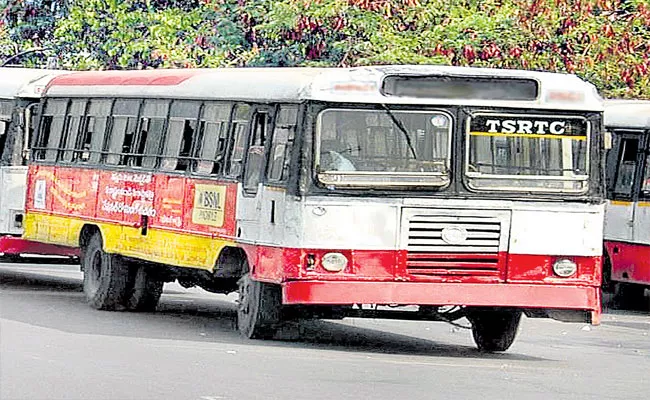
[[383, 147], [528, 153]]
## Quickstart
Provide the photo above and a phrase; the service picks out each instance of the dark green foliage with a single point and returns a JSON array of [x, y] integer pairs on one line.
[[604, 41]]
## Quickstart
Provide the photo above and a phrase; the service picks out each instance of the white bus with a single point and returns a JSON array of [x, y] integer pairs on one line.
[[329, 192], [20, 93], [627, 217]]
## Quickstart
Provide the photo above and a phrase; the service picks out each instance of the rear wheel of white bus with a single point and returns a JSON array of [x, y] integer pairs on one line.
[[106, 276], [494, 330]]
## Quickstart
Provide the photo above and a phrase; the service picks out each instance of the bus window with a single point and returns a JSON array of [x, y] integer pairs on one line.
[[123, 128], [50, 129], [212, 139], [283, 137], [5, 118], [180, 134], [152, 128], [255, 156], [3, 136], [624, 184], [73, 121], [91, 139], [645, 188], [238, 139]]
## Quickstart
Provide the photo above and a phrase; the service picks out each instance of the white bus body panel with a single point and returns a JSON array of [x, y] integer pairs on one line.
[[641, 229], [533, 228], [12, 198], [619, 221]]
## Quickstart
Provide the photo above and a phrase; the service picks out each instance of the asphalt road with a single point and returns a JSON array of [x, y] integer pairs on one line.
[[53, 346]]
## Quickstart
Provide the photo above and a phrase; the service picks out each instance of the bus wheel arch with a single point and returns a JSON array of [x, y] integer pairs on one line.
[[231, 263]]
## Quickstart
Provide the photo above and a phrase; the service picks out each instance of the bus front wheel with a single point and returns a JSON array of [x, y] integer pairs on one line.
[[105, 277], [259, 308], [494, 330]]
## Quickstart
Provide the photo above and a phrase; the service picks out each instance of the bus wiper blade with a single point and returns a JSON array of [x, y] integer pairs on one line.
[[401, 128]]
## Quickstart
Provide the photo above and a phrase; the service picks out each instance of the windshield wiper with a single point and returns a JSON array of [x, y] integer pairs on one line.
[[401, 127]]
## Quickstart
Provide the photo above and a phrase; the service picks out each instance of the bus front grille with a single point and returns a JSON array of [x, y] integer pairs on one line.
[[454, 245]]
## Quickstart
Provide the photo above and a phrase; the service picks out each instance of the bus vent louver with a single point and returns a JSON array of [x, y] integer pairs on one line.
[[453, 245]]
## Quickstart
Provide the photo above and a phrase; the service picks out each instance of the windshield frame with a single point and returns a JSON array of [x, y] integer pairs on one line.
[[377, 179], [469, 175]]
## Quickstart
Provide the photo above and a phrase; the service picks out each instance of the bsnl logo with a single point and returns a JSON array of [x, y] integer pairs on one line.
[[526, 126], [209, 199]]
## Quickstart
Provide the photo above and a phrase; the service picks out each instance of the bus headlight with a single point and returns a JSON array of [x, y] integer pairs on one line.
[[564, 267], [334, 262]]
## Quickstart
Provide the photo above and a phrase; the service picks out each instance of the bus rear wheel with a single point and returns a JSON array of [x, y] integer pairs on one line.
[[259, 308], [145, 289], [105, 276], [494, 330]]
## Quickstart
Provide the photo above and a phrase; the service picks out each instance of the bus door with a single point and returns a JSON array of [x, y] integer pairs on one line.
[[250, 198], [13, 172], [625, 159], [5, 117], [641, 214]]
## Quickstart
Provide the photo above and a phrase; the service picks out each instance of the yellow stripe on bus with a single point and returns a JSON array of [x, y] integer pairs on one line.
[[162, 246], [528, 135], [620, 203], [644, 203]]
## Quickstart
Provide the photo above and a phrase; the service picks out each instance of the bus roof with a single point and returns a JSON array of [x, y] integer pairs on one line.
[[24, 82], [633, 114], [349, 85]]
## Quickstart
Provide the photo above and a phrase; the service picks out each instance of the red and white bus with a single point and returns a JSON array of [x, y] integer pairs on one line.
[[329, 192], [20, 93], [627, 217]]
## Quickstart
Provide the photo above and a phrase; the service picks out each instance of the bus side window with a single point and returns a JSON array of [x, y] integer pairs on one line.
[[281, 144], [626, 171], [50, 130], [3, 136], [151, 130], [212, 139], [123, 126], [5, 119], [645, 188], [255, 157], [74, 116], [180, 135], [90, 142], [237, 146]]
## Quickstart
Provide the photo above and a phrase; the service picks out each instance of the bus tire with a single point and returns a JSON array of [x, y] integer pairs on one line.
[[494, 330], [145, 289], [105, 277], [259, 308]]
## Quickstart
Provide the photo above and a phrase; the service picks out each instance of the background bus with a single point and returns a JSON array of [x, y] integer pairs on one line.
[[318, 192], [20, 92], [627, 217]]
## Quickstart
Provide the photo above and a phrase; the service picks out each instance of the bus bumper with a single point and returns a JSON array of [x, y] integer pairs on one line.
[[16, 245], [525, 296]]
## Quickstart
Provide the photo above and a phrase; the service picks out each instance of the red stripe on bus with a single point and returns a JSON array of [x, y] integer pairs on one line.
[[15, 245], [407, 293], [279, 264], [126, 78]]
